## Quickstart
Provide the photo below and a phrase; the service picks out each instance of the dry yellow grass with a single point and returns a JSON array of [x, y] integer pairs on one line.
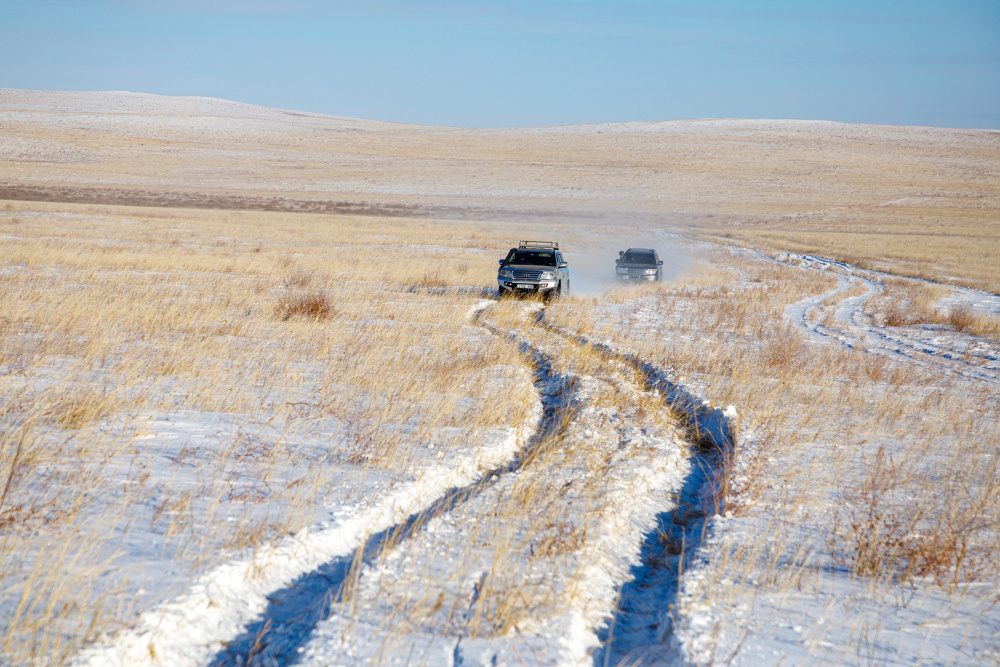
[[530, 540], [115, 317], [956, 247], [907, 302], [920, 201], [891, 464], [112, 314], [109, 314]]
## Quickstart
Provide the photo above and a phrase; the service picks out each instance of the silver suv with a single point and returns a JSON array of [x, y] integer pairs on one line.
[[533, 267]]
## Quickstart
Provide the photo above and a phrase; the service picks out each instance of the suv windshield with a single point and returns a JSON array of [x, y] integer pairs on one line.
[[532, 257], [642, 257]]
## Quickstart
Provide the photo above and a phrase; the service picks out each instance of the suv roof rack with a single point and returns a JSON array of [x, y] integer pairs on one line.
[[538, 244]]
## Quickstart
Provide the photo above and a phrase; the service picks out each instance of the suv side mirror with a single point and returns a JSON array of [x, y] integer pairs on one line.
[[660, 263], [501, 262], [621, 253], [563, 265]]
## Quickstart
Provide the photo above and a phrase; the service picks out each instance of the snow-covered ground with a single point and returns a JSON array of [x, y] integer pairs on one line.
[[637, 571], [671, 474], [623, 520], [769, 580], [222, 602], [932, 345], [157, 148], [606, 475]]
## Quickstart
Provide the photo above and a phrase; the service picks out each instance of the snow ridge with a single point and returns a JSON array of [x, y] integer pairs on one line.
[[962, 354], [190, 629]]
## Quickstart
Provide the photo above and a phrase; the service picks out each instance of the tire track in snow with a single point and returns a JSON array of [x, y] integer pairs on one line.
[[799, 312], [280, 634], [614, 598], [377, 643], [220, 607], [278, 581], [635, 494], [640, 631], [709, 426], [265, 609], [857, 330]]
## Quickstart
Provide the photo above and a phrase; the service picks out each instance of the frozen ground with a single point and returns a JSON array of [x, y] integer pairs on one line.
[[614, 475], [612, 524], [935, 346], [367, 587], [733, 606], [595, 521], [221, 603]]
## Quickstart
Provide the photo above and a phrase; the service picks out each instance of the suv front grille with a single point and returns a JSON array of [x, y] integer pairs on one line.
[[525, 274]]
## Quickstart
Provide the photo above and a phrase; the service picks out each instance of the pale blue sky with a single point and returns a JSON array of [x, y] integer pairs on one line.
[[504, 63]]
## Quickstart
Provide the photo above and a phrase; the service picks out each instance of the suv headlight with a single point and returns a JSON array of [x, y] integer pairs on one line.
[[548, 275], [506, 273], [650, 272], [622, 269]]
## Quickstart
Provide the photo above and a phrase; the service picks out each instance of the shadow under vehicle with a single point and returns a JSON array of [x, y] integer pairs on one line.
[[639, 264], [533, 267]]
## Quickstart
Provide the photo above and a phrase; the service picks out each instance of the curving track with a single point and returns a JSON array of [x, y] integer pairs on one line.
[[937, 348], [546, 548]]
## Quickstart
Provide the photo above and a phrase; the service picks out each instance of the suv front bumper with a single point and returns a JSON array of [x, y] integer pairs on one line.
[[505, 284]]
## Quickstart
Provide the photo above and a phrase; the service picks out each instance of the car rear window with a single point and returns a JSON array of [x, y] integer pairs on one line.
[[639, 257], [532, 257]]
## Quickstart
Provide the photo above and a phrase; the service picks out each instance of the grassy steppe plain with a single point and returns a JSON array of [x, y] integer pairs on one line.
[[113, 317], [920, 201], [280, 323], [264, 325]]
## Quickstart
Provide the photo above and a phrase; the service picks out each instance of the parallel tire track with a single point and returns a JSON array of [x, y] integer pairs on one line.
[[855, 328], [637, 502], [266, 605], [279, 636], [640, 630], [270, 619]]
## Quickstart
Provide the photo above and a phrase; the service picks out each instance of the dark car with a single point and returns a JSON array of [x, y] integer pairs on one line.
[[637, 264], [533, 267]]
